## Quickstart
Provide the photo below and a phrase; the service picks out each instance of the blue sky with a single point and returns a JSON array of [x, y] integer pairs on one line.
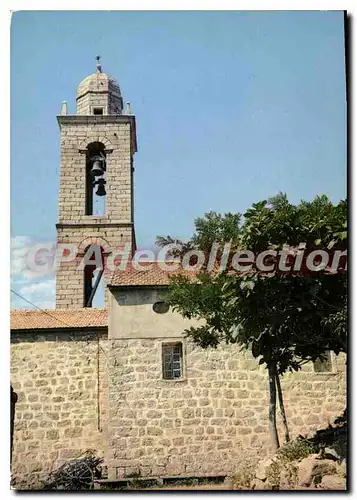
[[231, 108]]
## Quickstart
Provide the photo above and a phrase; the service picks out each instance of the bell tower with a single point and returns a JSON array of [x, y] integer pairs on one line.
[[96, 184]]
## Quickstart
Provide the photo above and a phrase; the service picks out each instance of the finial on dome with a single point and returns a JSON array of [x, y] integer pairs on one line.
[[99, 66]]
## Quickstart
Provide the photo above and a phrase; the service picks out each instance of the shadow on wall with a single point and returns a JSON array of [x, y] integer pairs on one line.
[[334, 436], [13, 401], [139, 296]]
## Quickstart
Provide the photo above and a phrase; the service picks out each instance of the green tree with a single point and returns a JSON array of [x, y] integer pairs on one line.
[[285, 319]]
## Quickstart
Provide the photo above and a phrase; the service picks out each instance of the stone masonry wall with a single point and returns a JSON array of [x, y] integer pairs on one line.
[[62, 400], [208, 422], [214, 418]]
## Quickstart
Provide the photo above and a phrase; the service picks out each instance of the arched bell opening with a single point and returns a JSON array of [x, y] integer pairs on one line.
[[93, 273], [96, 167]]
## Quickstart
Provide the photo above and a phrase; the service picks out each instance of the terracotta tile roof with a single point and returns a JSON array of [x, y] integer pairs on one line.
[[156, 276], [153, 275], [33, 319]]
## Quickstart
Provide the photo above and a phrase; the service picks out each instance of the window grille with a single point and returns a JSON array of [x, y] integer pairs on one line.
[[172, 361]]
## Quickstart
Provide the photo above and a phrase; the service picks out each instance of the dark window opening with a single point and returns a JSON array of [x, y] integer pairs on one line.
[[98, 111], [95, 179], [323, 365], [172, 361], [161, 307], [88, 284], [93, 274]]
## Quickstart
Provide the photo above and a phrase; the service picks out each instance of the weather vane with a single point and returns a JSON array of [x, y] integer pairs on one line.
[[99, 66]]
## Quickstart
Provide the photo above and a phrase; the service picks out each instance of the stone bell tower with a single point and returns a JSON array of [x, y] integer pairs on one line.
[[96, 183]]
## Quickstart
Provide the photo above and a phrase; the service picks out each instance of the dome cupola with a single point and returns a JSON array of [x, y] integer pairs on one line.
[[99, 94]]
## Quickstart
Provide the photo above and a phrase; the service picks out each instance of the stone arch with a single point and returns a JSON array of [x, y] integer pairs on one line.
[[93, 240], [95, 138]]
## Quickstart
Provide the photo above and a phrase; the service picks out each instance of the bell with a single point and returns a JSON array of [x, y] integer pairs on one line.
[[101, 187], [101, 191], [97, 169]]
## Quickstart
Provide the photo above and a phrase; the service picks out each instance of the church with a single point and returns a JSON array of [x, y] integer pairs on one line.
[[123, 380]]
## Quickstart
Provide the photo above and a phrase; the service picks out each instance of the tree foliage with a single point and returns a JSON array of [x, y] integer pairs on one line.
[[285, 319]]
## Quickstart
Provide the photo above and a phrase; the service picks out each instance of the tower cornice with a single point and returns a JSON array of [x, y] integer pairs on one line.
[[100, 120], [101, 223]]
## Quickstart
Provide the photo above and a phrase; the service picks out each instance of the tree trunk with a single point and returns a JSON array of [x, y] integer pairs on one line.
[[281, 406], [272, 406]]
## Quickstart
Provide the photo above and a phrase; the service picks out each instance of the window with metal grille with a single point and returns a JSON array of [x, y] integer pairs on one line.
[[172, 360], [323, 365]]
